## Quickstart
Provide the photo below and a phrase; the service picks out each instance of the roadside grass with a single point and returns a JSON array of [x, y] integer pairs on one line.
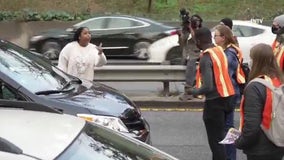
[[160, 10]]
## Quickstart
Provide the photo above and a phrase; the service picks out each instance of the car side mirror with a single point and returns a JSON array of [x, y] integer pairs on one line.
[[71, 29]]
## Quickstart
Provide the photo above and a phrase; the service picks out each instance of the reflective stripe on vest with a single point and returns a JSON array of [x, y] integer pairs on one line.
[[267, 111], [220, 68], [278, 50], [240, 73]]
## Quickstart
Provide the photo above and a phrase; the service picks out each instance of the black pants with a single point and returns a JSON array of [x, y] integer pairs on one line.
[[190, 72], [231, 150], [265, 157], [214, 114]]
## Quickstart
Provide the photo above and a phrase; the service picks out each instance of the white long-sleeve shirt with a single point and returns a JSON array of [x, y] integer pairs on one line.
[[80, 61]]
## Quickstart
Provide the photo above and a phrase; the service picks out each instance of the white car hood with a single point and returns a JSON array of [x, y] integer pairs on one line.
[[40, 134]]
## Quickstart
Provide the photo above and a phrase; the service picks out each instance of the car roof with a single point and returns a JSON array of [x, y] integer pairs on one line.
[[106, 16], [35, 134], [249, 23], [143, 20]]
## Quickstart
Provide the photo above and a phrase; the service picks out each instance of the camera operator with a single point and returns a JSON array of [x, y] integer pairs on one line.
[[190, 53]]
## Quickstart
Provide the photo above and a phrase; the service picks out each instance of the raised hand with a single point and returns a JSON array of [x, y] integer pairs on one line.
[[100, 49]]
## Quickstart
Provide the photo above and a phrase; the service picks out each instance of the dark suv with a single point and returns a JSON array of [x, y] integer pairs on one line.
[[25, 76]]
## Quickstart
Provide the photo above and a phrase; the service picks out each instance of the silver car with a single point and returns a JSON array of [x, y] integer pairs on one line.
[[33, 135]]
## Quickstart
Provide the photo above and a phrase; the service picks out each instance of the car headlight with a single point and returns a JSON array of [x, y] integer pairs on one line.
[[113, 123], [36, 38]]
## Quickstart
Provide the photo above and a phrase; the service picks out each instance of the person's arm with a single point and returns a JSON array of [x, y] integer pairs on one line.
[[252, 115], [182, 39], [101, 58], [206, 69], [63, 58], [232, 62]]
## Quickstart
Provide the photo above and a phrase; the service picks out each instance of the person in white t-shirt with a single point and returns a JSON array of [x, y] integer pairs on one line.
[[79, 57]]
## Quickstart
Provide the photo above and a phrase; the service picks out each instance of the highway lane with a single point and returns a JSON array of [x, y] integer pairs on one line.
[[181, 133], [145, 88]]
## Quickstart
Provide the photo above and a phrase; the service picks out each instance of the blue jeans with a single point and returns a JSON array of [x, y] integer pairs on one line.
[[229, 123]]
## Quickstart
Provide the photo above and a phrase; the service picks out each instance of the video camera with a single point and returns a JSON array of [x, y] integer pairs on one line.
[[195, 20], [184, 15]]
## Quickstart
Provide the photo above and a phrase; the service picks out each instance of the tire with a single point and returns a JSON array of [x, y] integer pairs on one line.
[[51, 50], [174, 56], [140, 49]]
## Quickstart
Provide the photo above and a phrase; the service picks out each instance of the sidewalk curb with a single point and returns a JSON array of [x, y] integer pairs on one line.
[[166, 102]]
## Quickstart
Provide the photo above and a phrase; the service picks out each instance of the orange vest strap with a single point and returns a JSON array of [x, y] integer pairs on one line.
[[241, 79], [278, 50], [267, 111], [220, 68]]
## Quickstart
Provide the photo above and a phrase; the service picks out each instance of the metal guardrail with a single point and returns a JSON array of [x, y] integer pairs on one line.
[[122, 62], [142, 73]]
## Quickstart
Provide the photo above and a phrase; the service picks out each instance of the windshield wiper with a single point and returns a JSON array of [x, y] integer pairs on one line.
[[47, 92], [63, 89], [74, 80]]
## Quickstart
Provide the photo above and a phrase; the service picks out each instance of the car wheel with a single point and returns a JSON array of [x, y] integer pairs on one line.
[[174, 56], [51, 50], [141, 50]]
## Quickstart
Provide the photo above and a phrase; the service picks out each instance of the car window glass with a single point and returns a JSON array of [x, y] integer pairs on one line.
[[137, 24], [236, 31], [246, 31], [94, 24], [29, 70], [122, 23], [6, 92], [97, 143]]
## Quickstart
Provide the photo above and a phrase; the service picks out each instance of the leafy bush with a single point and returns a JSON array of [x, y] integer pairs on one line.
[[30, 15], [7, 15], [156, 9]]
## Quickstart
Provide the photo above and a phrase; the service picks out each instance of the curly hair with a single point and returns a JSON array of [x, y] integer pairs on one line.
[[78, 33]]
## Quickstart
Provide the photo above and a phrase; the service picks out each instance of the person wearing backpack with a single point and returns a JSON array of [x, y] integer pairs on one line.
[[256, 107]]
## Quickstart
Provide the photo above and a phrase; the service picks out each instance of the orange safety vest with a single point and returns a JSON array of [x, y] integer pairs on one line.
[[240, 73], [278, 50], [220, 68], [266, 114]]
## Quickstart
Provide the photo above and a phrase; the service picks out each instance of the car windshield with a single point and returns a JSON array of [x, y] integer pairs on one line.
[[29, 70], [97, 143]]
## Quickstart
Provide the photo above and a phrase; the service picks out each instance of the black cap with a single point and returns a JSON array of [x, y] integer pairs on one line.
[[228, 22]]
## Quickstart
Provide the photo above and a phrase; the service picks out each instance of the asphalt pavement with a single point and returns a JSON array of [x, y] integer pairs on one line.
[[150, 94]]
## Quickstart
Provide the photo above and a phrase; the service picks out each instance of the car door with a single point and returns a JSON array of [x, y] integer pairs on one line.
[[122, 35], [103, 31], [97, 27], [248, 36]]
